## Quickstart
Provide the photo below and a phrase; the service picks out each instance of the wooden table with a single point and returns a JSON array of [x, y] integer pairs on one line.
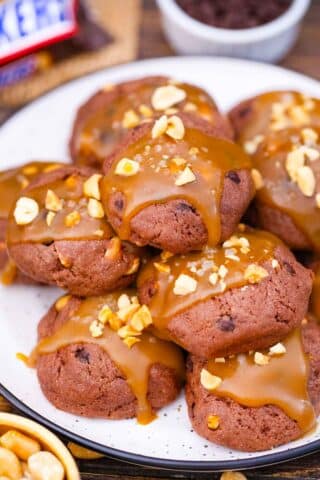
[[304, 58]]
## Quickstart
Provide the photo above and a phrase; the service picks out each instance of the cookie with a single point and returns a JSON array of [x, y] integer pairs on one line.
[[272, 112], [105, 118], [247, 294], [58, 234], [259, 401], [12, 182], [173, 184], [91, 362], [287, 203]]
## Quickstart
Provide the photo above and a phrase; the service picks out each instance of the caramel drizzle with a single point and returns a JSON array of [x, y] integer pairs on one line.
[[261, 118], [282, 382], [165, 303], [209, 158], [135, 362], [279, 191], [38, 231], [104, 128], [315, 296], [14, 180]]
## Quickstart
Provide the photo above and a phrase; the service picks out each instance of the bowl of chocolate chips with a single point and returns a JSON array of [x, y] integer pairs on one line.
[[252, 29]]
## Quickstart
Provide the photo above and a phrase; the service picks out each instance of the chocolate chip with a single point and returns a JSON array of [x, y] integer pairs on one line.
[[182, 206], [244, 111], [234, 177], [226, 323], [119, 203], [82, 355], [289, 268]]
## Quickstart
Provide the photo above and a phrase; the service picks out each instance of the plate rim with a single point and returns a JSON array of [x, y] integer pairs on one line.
[[162, 463], [264, 460]]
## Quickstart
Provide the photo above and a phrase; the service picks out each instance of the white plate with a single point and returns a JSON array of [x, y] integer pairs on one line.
[[41, 131]]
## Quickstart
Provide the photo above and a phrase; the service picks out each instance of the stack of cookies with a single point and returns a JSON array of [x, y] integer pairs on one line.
[[165, 283]]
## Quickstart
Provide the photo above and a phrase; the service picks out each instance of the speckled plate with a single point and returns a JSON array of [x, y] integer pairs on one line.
[[41, 131]]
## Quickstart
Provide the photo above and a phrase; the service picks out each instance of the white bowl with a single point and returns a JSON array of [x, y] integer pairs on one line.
[[266, 43]]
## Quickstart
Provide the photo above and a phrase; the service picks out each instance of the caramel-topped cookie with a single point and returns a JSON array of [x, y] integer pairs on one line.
[[105, 118], [287, 173], [175, 185], [12, 182], [272, 112], [95, 358], [247, 294], [259, 400], [58, 234]]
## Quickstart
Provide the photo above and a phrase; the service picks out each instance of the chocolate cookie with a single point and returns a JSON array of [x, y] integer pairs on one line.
[[247, 294], [272, 112], [258, 401], [12, 182], [175, 185], [105, 118], [91, 362], [287, 169], [58, 234]]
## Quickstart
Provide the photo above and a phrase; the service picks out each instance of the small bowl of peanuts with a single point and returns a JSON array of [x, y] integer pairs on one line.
[[29, 451]]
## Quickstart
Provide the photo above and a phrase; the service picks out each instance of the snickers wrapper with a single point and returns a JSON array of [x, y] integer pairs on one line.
[[28, 25]]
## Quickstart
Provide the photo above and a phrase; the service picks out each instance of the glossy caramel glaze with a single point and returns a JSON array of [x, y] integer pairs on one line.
[[69, 189], [260, 115], [104, 127], [14, 180], [279, 191], [257, 248], [282, 382], [134, 362], [208, 157], [315, 295]]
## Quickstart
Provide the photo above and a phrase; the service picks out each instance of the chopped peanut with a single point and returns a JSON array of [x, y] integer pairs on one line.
[[96, 329], [167, 96], [53, 202], [114, 248], [130, 119], [208, 381], [213, 422], [134, 267], [175, 128], [127, 167], [184, 285], [161, 267], [186, 176], [257, 178], [26, 210], [95, 208], [62, 302], [277, 349], [49, 218], [254, 273], [72, 219], [160, 126], [306, 180], [261, 359], [91, 186]]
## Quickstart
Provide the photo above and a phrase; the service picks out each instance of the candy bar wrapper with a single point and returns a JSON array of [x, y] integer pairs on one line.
[[44, 43], [26, 25]]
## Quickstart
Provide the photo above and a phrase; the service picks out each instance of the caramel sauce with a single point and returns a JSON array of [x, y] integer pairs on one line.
[[165, 303], [261, 113], [315, 295], [279, 191], [104, 129], [71, 192], [135, 362], [9, 273], [155, 181], [14, 180], [282, 382]]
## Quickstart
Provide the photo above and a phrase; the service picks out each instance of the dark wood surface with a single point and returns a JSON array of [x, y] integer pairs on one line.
[[304, 58]]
